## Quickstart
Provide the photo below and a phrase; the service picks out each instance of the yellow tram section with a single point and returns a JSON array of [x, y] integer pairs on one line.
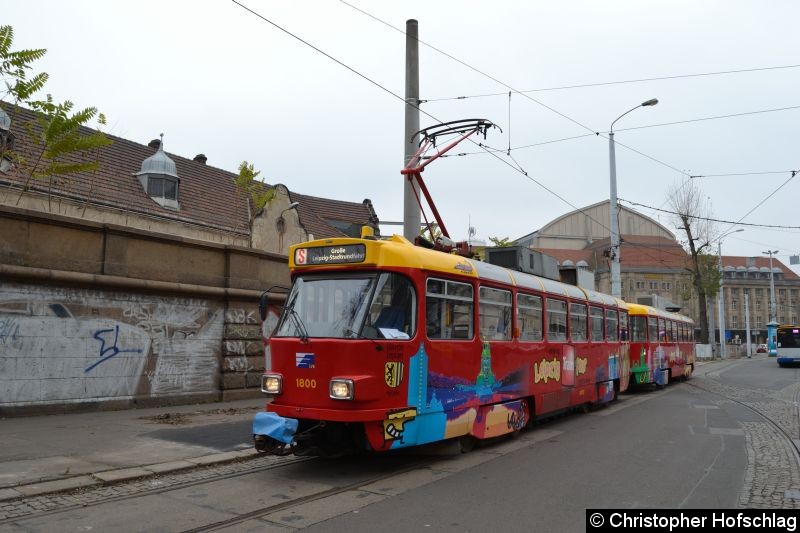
[[642, 373]]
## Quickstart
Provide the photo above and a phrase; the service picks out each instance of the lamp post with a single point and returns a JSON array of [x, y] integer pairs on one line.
[[772, 347], [721, 298], [616, 282]]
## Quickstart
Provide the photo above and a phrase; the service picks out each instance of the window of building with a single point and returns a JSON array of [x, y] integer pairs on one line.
[[611, 325], [640, 285], [758, 322], [577, 322], [449, 309], [494, 314], [666, 286], [653, 285], [758, 305], [734, 322], [556, 320], [734, 303], [529, 316]]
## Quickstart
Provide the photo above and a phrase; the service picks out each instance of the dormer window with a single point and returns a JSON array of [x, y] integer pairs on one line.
[[164, 188], [159, 177]]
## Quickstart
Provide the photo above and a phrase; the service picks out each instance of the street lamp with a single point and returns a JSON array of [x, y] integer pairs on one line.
[[721, 297], [616, 282]]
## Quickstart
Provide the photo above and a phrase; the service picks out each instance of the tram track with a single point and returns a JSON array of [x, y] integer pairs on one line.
[[66, 501], [792, 441]]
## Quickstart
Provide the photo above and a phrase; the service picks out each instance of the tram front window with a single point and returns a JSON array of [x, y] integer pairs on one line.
[[362, 305]]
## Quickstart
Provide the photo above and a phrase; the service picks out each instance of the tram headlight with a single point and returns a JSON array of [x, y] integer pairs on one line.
[[341, 389], [271, 383]]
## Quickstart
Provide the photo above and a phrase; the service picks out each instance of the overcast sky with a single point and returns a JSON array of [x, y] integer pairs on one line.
[[216, 79]]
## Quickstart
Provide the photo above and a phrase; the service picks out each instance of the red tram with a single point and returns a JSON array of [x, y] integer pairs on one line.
[[382, 344]]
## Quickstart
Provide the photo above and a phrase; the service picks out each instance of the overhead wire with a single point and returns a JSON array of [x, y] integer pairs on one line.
[[619, 82], [416, 106], [709, 219], [489, 151]]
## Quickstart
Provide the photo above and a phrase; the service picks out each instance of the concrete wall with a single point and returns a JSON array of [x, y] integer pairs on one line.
[[97, 315]]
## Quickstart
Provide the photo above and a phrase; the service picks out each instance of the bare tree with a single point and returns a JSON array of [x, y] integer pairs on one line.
[[692, 213]]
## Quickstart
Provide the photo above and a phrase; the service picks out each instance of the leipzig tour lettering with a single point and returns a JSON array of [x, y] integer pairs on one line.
[[330, 255]]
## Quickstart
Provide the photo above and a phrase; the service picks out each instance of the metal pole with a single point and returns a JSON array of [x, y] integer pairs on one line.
[[772, 307], [747, 323], [711, 327], [723, 348], [411, 212], [616, 282]]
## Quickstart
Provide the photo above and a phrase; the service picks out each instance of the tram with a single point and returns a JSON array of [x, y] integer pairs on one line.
[[382, 344], [662, 345], [788, 344]]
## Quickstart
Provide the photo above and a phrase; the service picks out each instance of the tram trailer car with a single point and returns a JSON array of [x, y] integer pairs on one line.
[[662, 345], [382, 344]]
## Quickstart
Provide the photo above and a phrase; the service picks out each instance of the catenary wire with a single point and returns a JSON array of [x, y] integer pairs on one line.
[[519, 169], [392, 93], [619, 82]]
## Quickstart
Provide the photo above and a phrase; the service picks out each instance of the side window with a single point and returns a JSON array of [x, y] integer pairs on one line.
[[623, 326], [611, 325], [596, 323], [529, 317], [448, 309], [556, 320], [494, 314], [652, 329], [577, 322], [638, 329], [662, 330]]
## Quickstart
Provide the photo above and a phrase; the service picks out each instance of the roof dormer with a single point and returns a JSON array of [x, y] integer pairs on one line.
[[159, 177]]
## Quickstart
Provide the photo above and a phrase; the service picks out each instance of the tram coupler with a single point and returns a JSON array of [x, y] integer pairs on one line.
[[273, 433]]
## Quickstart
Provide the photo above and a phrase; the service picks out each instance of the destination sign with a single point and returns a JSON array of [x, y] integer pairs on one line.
[[330, 255]]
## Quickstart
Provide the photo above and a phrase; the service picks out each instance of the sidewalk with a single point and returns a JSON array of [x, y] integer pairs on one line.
[[45, 454]]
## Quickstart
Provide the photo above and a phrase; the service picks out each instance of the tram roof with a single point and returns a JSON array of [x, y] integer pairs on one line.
[[640, 309], [397, 251]]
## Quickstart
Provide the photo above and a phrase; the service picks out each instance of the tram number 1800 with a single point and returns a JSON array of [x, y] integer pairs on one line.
[[305, 383]]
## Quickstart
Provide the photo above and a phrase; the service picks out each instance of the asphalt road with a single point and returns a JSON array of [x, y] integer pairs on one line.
[[699, 444]]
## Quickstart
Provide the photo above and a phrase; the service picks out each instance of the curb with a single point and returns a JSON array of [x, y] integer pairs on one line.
[[118, 475]]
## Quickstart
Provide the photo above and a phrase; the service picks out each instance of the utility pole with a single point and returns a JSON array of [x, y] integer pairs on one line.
[[772, 306], [411, 211], [747, 322], [721, 301]]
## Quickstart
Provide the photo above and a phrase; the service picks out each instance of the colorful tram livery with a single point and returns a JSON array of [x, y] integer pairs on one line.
[[382, 345], [662, 345]]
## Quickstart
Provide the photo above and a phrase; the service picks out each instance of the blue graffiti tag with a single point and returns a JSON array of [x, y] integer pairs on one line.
[[111, 351], [8, 330]]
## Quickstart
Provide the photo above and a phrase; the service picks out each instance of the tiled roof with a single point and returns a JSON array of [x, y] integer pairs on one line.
[[638, 251], [207, 195], [742, 261], [321, 216]]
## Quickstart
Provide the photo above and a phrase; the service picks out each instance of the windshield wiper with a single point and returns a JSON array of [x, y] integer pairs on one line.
[[298, 324]]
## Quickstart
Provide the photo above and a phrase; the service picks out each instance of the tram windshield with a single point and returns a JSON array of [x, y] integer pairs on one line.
[[347, 306]]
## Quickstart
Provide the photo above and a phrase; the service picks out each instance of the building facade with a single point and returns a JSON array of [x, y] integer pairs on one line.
[[137, 283]]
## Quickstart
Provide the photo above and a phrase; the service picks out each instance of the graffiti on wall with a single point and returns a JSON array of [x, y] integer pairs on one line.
[[73, 345]]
